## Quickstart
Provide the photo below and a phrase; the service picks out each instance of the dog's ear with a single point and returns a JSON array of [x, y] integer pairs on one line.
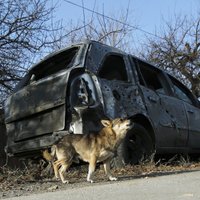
[[106, 123]]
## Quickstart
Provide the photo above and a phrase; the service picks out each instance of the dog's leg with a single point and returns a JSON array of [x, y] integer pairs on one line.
[[62, 170], [106, 165], [92, 166], [64, 165], [56, 165]]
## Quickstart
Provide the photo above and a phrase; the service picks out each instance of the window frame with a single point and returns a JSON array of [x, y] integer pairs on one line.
[[42, 69], [26, 80], [184, 89], [161, 76], [127, 69]]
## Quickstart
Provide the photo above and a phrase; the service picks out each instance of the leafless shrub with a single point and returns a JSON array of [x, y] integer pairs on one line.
[[178, 50], [25, 30]]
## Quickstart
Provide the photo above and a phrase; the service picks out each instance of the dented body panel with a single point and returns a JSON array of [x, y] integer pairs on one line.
[[70, 91]]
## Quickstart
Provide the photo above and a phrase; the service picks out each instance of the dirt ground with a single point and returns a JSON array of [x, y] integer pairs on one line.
[[38, 178]]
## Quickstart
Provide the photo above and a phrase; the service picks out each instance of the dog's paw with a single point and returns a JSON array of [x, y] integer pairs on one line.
[[66, 181], [90, 181], [112, 178], [55, 178]]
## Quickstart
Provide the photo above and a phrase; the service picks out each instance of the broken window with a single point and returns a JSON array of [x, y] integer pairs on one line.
[[180, 91], [61, 61], [150, 77], [113, 68]]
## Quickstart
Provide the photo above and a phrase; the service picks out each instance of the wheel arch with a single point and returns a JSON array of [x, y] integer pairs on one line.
[[145, 122]]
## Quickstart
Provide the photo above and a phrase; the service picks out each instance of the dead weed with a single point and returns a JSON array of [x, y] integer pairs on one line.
[[41, 174]]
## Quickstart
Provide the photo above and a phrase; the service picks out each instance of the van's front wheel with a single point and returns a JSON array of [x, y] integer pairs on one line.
[[137, 147]]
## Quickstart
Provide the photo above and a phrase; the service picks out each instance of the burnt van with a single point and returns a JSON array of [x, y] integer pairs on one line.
[[71, 90]]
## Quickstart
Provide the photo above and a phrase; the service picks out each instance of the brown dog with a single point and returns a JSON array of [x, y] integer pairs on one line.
[[91, 148]]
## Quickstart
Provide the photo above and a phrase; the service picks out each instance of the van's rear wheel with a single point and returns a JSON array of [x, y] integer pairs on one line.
[[137, 147]]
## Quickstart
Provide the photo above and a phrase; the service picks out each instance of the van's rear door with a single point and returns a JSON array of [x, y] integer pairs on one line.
[[39, 107]]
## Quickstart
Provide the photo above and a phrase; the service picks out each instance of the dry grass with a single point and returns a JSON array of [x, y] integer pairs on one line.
[[35, 178]]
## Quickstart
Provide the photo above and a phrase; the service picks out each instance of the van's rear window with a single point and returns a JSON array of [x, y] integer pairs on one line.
[[54, 64]]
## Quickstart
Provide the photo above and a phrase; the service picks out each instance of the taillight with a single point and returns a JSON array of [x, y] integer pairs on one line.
[[82, 92]]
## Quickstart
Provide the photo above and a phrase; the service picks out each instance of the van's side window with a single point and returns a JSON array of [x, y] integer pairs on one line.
[[181, 92], [113, 68], [151, 77]]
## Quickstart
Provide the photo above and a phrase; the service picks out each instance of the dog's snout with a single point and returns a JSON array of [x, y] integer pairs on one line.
[[128, 121], [129, 124]]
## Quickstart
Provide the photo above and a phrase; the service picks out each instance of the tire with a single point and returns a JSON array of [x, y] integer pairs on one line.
[[137, 147]]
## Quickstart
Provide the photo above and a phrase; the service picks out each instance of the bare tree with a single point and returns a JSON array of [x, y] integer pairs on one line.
[[178, 51], [25, 29], [26, 32], [114, 31]]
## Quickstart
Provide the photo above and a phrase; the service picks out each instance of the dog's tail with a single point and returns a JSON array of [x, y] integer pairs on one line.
[[49, 156]]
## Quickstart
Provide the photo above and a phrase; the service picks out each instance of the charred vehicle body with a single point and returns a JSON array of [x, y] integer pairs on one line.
[[71, 90]]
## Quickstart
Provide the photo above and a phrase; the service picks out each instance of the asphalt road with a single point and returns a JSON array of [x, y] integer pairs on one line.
[[182, 186]]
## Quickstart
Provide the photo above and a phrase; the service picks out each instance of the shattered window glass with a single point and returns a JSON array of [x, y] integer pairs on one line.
[[180, 92], [150, 77], [113, 68], [59, 62]]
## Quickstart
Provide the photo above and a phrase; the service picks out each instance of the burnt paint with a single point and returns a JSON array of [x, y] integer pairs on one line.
[[97, 98]]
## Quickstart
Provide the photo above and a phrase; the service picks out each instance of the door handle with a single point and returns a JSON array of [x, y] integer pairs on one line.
[[153, 99], [190, 111]]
